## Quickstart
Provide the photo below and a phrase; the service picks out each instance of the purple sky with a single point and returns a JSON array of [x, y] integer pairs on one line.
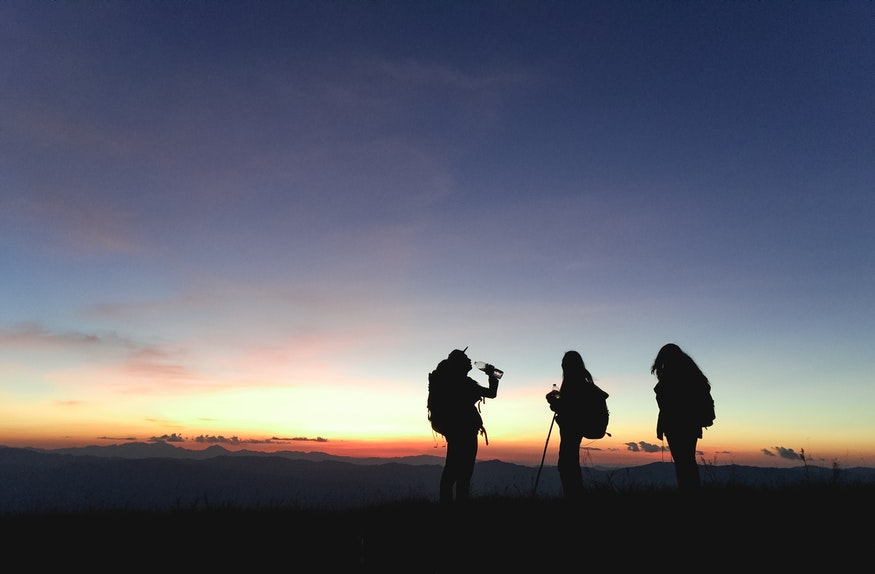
[[254, 218]]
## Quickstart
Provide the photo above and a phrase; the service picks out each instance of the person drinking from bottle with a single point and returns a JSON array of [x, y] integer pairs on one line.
[[453, 412]]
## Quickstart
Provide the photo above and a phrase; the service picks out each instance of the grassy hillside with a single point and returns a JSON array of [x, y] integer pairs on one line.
[[772, 528]]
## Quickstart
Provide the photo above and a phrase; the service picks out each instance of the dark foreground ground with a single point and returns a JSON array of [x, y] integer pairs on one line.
[[726, 528]]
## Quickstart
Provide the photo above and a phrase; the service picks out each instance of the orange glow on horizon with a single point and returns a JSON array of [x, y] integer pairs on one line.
[[610, 453]]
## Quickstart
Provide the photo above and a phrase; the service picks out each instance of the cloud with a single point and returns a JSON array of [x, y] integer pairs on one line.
[[299, 438], [159, 365], [782, 452], [33, 334], [167, 438], [234, 440], [642, 446], [217, 439]]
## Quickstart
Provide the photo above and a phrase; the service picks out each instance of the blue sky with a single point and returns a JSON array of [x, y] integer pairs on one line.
[[270, 220]]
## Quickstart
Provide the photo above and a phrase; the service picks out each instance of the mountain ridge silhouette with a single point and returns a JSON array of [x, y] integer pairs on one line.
[[163, 477]]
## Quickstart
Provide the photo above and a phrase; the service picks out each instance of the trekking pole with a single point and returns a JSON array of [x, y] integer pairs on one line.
[[538, 476]]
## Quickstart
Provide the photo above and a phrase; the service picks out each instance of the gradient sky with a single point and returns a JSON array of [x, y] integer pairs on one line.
[[261, 224]]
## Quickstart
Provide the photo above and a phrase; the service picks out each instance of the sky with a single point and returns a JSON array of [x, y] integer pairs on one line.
[[262, 224]]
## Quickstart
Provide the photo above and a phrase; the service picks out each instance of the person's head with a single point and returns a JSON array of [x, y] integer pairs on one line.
[[457, 360], [668, 356], [675, 362], [573, 367], [572, 362]]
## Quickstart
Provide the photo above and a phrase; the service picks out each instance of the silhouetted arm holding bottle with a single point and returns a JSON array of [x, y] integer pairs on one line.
[[494, 374]]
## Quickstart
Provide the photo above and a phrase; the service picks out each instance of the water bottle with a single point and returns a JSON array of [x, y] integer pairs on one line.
[[552, 396], [482, 366]]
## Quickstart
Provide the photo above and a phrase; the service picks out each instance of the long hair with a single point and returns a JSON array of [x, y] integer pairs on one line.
[[672, 363], [574, 368]]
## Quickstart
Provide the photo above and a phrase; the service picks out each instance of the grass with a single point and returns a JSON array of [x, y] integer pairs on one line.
[[805, 526]]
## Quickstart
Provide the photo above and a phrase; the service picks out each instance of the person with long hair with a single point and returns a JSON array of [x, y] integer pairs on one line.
[[682, 392], [569, 404]]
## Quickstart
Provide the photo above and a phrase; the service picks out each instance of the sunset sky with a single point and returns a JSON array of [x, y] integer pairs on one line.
[[261, 224]]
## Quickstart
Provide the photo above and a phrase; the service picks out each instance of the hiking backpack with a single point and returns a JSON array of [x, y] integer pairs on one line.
[[595, 415], [450, 407], [438, 403], [706, 412]]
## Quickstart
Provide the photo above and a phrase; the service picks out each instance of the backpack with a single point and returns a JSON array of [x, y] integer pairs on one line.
[[706, 413], [595, 415], [437, 403], [447, 409]]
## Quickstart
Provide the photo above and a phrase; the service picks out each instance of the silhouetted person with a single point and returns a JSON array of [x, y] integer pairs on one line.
[[681, 391], [453, 398], [576, 391]]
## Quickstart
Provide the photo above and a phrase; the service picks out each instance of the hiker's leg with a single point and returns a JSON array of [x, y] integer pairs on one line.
[[467, 459], [683, 451], [451, 470], [446, 487], [569, 465]]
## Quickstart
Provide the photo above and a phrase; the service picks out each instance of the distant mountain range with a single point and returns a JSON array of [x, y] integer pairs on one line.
[[167, 450], [160, 476]]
